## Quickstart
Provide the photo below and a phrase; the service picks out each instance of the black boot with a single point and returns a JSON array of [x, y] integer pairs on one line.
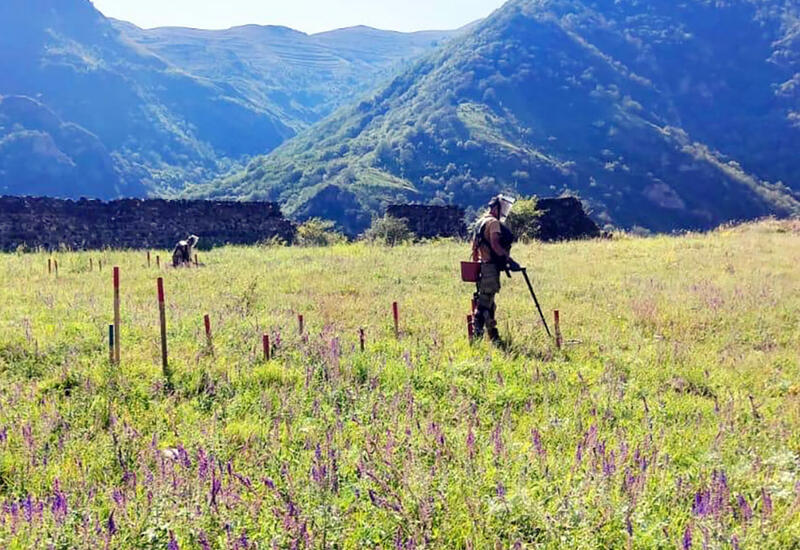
[[479, 323]]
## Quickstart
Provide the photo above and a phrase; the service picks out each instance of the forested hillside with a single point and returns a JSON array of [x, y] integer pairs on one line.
[[185, 111], [658, 114]]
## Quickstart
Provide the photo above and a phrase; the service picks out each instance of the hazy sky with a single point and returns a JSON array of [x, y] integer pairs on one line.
[[306, 15]]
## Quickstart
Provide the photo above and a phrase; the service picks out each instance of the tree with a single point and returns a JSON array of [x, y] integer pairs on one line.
[[524, 220], [389, 230], [318, 232]]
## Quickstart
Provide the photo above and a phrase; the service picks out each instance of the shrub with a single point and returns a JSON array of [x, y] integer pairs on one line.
[[389, 231], [524, 220], [318, 232]]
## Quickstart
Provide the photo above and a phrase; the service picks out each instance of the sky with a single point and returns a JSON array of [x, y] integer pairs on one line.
[[309, 16]]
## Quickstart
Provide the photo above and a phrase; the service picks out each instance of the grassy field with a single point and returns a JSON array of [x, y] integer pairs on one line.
[[671, 419]]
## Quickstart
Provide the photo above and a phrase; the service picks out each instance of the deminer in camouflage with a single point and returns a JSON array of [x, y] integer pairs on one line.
[[491, 247], [182, 255]]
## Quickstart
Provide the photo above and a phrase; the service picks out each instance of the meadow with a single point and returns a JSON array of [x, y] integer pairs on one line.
[[669, 419]]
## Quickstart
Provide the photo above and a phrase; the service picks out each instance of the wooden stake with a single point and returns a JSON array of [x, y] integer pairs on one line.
[[162, 314], [158, 262], [207, 323], [111, 343], [557, 318], [116, 316], [196, 261], [91, 264], [49, 266], [265, 345], [362, 339], [300, 324], [148, 258], [55, 265], [100, 265], [396, 315]]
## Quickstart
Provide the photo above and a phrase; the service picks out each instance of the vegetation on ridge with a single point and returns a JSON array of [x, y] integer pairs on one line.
[[657, 114]]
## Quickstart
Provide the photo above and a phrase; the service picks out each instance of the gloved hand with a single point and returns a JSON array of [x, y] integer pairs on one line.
[[514, 266]]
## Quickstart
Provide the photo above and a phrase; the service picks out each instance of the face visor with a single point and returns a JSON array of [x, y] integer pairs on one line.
[[505, 203]]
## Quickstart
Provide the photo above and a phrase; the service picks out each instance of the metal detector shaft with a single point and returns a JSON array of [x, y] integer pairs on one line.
[[535, 301]]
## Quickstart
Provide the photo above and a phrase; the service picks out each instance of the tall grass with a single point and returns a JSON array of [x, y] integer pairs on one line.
[[670, 419]]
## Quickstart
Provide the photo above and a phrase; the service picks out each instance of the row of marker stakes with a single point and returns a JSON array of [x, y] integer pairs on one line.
[[52, 264], [114, 329]]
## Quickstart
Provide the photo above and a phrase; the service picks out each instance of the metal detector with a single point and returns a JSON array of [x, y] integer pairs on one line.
[[524, 271]]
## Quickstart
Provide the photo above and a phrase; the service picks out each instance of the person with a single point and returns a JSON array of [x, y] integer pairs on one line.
[[182, 255], [491, 247]]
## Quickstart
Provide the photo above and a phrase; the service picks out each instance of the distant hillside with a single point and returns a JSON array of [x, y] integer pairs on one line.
[[660, 114], [301, 77], [189, 109]]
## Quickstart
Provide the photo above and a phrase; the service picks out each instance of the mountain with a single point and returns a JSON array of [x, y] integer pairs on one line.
[[301, 77], [660, 114], [166, 106], [43, 155]]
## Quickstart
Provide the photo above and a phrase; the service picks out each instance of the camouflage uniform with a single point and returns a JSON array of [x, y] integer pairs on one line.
[[489, 281]]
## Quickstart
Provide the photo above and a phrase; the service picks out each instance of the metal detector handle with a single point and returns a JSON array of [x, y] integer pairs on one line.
[[535, 300]]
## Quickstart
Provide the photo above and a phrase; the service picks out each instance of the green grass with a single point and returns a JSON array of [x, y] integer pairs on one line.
[[679, 378]]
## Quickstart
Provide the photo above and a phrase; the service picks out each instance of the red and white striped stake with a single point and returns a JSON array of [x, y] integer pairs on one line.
[[557, 318], [470, 328], [362, 339], [396, 315], [116, 316], [265, 345], [207, 323], [300, 325], [148, 258], [162, 314]]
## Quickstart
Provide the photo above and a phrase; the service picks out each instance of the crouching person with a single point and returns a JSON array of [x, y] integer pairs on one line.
[[182, 255]]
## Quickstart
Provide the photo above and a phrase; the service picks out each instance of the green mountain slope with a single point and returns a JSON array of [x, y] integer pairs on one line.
[[170, 105], [301, 77], [658, 114]]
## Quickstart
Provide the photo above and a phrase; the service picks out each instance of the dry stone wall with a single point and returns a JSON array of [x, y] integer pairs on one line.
[[136, 223], [428, 222]]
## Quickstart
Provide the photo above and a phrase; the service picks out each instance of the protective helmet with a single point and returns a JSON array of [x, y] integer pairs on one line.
[[505, 204]]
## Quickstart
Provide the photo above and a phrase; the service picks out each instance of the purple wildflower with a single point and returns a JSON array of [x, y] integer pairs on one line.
[[111, 527], [537, 442], [172, 544], [744, 509], [701, 503], [687, 538], [470, 443], [501, 490], [766, 502], [203, 540], [27, 508]]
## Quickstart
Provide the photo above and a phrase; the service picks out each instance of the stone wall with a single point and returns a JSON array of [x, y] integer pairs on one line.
[[135, 223], [564, 219], [431, 221]]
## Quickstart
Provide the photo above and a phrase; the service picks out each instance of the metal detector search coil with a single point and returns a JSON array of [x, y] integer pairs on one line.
[[470, 272]]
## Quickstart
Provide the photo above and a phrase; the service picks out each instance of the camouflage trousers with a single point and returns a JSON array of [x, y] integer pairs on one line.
[[488, 287]]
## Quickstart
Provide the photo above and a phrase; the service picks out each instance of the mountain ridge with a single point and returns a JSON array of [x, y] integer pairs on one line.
[[162, 122], [645, 142]]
